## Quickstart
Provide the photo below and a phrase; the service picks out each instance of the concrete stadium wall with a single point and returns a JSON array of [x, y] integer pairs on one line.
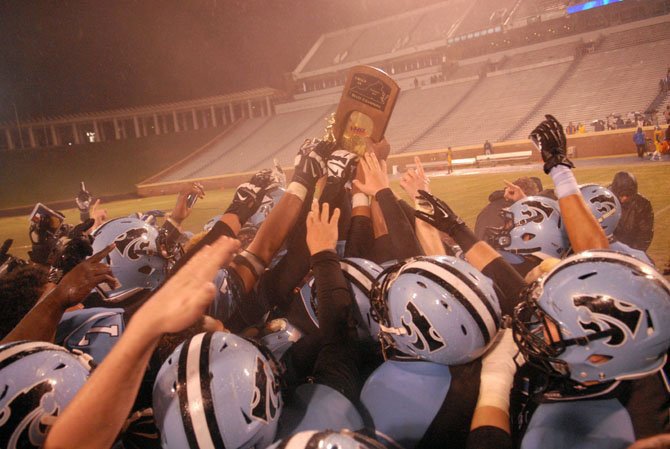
[[588, 145]]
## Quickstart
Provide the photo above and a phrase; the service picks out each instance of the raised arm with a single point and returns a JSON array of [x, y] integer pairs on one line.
[[429, 237], [40, 323], [583, 229], [96, 415]]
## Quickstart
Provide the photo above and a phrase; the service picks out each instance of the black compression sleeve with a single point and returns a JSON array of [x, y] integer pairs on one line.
[[219, 229], [464, 236], [360, 238], [509, 283], [489, 437], [403, 238], [338, 361]]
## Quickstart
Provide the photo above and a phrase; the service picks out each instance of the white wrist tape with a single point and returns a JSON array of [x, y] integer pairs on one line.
[[497, 375], [565, 183], [360, 200], [297, 189]]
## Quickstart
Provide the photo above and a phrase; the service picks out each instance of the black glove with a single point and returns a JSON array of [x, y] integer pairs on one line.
[[341, 166], [310, 163], [249, 196], [442, 217], [73, 249], [549, 138]]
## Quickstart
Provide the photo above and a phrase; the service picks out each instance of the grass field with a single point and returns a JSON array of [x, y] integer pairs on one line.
[[467, 194]]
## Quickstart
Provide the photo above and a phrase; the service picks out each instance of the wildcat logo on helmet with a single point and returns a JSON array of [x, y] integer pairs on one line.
[[607, 313], [265, 402], [425, 333], [21, 427], [537, 211], [132, 242]]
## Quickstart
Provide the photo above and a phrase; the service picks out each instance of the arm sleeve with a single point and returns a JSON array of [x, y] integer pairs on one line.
[[360, 238], [508, 282], [645, 226], [403, 239], [337, 364], [489, 437]]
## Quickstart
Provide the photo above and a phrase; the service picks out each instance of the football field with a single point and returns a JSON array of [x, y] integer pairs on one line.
[[466, 192]]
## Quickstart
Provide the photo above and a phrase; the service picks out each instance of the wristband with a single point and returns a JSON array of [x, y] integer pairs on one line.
[[565, 183], [360, 200], [251, 261], [297, 189]]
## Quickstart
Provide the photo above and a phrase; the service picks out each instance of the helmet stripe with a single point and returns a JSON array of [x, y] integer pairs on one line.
[[16, 351], [358, 277], [206, 392], [475, 288], [200, 423], [448, 280]]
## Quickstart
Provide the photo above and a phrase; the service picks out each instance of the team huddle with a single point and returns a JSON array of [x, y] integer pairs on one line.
[[328, 313]]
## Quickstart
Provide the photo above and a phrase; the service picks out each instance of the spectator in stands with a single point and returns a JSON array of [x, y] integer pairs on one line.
[[640, 142], [450, 167], [666, 114], [658, 144], [581, 129], [636, 227], [488, 148], [571, 129]]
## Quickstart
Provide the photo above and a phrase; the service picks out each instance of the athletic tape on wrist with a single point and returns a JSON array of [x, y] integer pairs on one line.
[[251, 261], [360, 200], [297, 189], [565, 183]]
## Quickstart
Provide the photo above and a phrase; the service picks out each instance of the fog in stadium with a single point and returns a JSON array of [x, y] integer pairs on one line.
[[351, 224]]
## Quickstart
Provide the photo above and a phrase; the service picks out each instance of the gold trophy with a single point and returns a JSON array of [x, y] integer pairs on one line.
[[365, 108]]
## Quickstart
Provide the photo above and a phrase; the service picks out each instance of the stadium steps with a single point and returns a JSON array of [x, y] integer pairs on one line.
[[302, 134], [521, 124], [442, 118], [658, 101]]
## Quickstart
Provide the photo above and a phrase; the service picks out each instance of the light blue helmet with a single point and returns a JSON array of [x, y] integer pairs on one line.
[[604, 205], [212, 221], [135, 261], [362, 275], [533, 226], [37, 381], [217, 390], [439, 309], [611, 312], [329, 439]]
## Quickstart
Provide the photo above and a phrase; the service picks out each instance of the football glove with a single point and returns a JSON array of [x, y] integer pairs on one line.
[[549, 138], [310, 163], [249, 195], [440, 216]]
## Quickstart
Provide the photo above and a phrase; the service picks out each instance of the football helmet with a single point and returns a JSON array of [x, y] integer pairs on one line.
[[136, 261], [343, 439], [532, 225], [597, 316], [604, 205], [37, 381], [439, 309], [362, 275], [217, 390]]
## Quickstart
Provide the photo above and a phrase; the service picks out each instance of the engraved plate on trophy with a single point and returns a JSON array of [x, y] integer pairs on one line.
[[365, 108]]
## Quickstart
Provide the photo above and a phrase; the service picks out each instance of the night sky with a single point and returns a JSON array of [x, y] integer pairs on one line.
[[65, 56]]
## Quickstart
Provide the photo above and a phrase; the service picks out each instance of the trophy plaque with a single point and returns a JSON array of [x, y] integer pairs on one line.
[[365, 108]]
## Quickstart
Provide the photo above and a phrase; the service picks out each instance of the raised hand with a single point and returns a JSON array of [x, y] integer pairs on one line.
[[249, 195], [414, 180], [440, 214], [341, 166], [182, 209], [374, 171], [321, 229], [310, 163], [513, 192], [83, 198], [185, 297], [549, 138], [76, 285]]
